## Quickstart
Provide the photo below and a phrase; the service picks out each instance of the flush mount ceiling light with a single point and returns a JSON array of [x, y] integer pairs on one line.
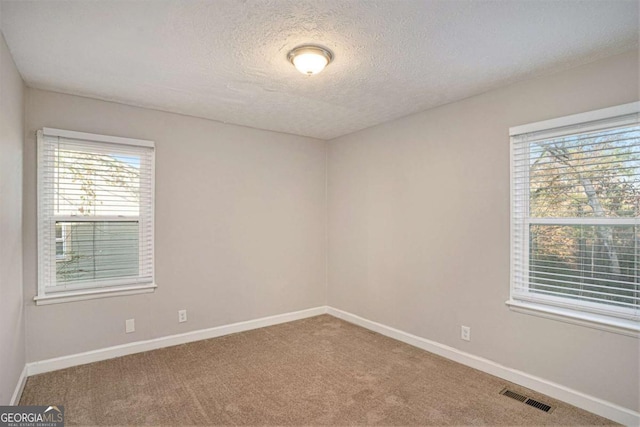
[[310, 59]]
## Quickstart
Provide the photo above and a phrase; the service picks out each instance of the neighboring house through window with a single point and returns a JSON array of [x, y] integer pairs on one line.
[[95, 215], [575, 209], [61, 241]]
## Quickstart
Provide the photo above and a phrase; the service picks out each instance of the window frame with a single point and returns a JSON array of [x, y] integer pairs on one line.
[[549, 306], [47, 294]]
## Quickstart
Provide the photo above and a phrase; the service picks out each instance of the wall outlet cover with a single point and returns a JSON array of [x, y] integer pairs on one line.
[[130, 325], [465, 333]]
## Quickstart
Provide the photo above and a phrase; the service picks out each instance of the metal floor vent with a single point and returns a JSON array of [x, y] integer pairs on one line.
[[528, 401]]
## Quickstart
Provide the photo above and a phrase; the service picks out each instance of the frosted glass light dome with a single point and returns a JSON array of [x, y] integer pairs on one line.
[[310, 60]]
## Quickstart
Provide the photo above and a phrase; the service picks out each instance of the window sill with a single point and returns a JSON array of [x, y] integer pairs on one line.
[[618, 326], [60, 297]]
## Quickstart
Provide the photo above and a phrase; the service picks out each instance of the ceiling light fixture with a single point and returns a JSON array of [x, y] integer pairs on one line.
[[310, 59]]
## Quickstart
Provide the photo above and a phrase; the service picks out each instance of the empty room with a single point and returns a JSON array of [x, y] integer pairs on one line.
[[319, 212]]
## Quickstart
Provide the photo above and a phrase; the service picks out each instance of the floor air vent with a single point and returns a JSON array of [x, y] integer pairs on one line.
[[513, 395], [522, 398], [542, 406]]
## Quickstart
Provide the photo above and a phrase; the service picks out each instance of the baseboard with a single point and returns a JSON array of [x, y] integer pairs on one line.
[[581, 400], [54, 364], [22, 380]]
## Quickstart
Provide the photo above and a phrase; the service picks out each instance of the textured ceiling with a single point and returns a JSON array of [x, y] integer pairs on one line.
[[226, 60]]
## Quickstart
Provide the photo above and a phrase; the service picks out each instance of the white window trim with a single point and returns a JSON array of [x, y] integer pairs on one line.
[[97, 138], [576, 119], [54, 296], [93, 293], [592, 320]]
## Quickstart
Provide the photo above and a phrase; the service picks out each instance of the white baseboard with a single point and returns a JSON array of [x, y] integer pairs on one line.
[[581, 400], [54, 364], [22, 380]]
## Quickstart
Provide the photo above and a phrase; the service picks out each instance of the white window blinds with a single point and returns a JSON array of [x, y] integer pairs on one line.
[[95, 212], [575, 213]]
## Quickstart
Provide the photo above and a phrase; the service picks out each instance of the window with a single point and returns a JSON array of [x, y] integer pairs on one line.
[[95, 216], [575, 209]]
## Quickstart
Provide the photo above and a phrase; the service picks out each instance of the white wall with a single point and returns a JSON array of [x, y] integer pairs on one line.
[[12, 338], [419, 230], [240, 226]]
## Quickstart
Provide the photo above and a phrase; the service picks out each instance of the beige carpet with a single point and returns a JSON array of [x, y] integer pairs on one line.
[[317, 371]]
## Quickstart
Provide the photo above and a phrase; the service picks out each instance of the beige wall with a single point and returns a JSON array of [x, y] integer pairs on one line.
[[240, 226], [419, 230], [418, 213], [12, 340]]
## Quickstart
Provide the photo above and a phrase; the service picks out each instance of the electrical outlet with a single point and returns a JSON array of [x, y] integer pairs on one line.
[[182, 316], [465, 333], [130, 325]]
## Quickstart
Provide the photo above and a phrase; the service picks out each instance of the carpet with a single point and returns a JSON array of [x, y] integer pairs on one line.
[[315, 371]]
